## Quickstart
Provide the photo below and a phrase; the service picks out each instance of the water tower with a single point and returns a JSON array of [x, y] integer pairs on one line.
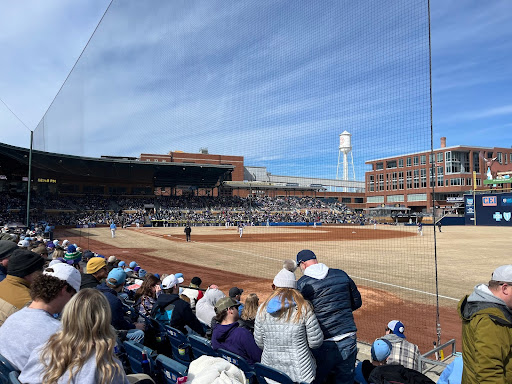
[[345, 148]]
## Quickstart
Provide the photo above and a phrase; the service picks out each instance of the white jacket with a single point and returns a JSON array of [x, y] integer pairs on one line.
[[286, 344]]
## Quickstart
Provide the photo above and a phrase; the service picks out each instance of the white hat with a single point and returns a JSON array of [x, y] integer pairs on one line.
[[56, 242], [65, 242], [503, 273], [53, 262], [24, 243], [112, 259], [65, 272], [285, 279], [170, 281]]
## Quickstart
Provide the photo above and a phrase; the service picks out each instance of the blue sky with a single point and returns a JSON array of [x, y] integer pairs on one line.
[[273, 81]]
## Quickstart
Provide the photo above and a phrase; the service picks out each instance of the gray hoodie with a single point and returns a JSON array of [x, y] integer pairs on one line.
[[482, 297]]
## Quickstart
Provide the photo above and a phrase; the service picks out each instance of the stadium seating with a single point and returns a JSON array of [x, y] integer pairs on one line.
[[134, 354], [240, 362], [5, 369], [201, 346], [264, 371], [169, 370], [13, 378], [179, 343]]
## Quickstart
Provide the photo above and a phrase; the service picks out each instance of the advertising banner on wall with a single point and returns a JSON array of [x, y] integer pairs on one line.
[[489, 209]]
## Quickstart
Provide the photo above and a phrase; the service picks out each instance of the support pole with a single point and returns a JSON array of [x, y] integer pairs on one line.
[[29, 185]]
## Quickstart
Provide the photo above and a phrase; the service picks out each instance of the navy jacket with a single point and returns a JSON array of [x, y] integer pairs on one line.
[[181, 314], [333, 298], [118, 320], [237, 340]]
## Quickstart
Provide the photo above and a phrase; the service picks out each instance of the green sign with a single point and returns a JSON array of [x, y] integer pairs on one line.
[[498, 181]]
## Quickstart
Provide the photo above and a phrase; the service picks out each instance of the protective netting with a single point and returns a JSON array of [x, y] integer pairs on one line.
[[276, 82]]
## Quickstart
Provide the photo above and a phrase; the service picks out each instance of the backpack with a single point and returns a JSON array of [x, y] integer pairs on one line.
[[397, 374]]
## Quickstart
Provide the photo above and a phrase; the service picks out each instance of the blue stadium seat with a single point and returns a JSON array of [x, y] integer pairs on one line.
[[13, 378], [201, 346], [179, 343], [240, 362], [169, 370], [134, 355], [5, 369], [264, 371]]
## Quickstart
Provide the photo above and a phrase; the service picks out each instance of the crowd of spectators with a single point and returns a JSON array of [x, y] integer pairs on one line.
[[305, 328], [176, 210]]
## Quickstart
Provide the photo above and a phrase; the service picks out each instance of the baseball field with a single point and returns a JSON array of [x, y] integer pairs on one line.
[[394, 267]]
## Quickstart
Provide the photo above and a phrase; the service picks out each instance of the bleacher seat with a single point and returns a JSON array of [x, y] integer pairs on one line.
[[264, 371], [201, 346], [240, 362], [13, 377], [169, 370], [179, 342], [5, 369], [134, 354]]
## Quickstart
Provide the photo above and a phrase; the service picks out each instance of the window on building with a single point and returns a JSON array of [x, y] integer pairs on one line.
[[499, 155], [409, 179], [417, 197], [423, 178], [395, 198], [469, 181], [432, 179], [476, 162], [400, 180], [409, 161], [415, 160], [478, 182], [346, 200], [395, 184], [391, 164], [416, 178], [430, 158], [358, 200], [456, 181], [400, 163], [371, 184], [440, 176], [379, 166], [440, 157], [381, 182], [423, 159], [375, 199]]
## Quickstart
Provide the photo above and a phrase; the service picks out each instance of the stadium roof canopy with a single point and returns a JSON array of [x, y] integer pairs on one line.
[[14, 161]]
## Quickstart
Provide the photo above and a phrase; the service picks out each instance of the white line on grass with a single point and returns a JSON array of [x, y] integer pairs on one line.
[[406, 288]]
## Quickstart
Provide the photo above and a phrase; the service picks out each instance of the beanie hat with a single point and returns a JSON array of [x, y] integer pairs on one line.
[[305, 255], [22, 263], [95, 264], [397, 327], [7, 248], [196, 281], [72, 254], [381, 349], [285, 279]]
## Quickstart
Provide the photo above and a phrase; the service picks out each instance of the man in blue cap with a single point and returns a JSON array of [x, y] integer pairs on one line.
[[334, 296], [404, 352], [111, 288]]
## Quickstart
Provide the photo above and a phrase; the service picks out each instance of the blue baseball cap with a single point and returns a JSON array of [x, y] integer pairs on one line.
[[381, 349], [305, 255], [133, 264], [122, 264], [397, 327], [116, 277]]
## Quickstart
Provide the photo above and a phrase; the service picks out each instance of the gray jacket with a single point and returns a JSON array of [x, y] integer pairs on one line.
[[286, 344]]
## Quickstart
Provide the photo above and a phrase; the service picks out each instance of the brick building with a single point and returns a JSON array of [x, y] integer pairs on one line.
[[409, 180]]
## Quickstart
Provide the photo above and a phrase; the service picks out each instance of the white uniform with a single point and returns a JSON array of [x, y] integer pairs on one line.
[[241, 229]]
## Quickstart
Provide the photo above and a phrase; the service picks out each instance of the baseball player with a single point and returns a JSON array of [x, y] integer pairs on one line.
[[113, 229], [240, 229]]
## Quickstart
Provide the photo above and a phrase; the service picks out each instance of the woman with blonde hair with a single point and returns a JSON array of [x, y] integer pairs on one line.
[[286, 328], [249, 312], [83, 350]]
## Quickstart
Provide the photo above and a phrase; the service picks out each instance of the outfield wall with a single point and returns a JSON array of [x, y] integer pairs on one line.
[[493, 209]]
